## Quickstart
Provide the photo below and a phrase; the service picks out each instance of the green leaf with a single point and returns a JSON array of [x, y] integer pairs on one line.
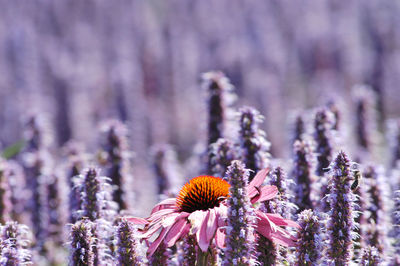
[[13, 149]]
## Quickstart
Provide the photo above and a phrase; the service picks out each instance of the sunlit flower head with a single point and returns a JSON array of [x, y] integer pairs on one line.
[[200, 209]]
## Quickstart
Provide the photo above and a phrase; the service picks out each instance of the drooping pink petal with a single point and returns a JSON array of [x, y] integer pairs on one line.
[[201, 234], [160, 214], [150, 231], [283, 239], [137, 220], [167, 203], [220, 238], [153, 246], [280, 221], [222, 214], [196, 218], [265, 193], [257, 182], [211, 225], [175, 232]]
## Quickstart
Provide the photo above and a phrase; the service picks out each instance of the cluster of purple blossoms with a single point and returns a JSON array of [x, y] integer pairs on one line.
[[241, 218]]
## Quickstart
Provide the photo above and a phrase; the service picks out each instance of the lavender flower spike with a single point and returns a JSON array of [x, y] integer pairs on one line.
[[221, 154], [82, 242], [303, 174], [323, 125], [396, 221], [241, 218], [370, 257], [14, 245], [341, 223], [253, 145], [127, 244], [310, 246]]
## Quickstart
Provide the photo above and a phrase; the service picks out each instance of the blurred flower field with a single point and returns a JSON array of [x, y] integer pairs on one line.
[[199, 133]]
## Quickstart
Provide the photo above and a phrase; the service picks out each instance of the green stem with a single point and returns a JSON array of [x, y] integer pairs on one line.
[[201, 258]]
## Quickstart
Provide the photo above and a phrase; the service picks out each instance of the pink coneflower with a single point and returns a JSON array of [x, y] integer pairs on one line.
[[200, 209]]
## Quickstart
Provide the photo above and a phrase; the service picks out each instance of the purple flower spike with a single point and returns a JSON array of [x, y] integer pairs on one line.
[[221, 155], [168, 175], [241, 218], [341, 223], [303, 174], [96, 196], [14, 245], [364, 100], [220, 97], [253, 145], [116, 161], [370, 257], [127, 244], [82, 242], [376, 205], [298, 129], [323, 124], [309, 246]]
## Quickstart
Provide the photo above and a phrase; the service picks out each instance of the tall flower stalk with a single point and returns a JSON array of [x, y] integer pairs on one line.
[[323, 124], [127, 244], [310, 245], [303, 174], [116, 161], [241, 218], [341, 223], [82, 243], [253, 146], [220, 97], [14, 246], [221, 155], [377, 225], [166, 169]]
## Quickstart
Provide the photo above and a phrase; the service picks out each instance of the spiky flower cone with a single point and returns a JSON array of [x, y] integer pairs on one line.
[[82, 242], [241, 218], [161, 256], [115, 146], [303, 174], [282, 203], [394, 139], [341, 223], [253, 145], [221, 155], [56, 206], [127, 245], [309, 247], [14, 245]]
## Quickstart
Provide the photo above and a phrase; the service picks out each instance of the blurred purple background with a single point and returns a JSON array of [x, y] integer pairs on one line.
[[140, 61]]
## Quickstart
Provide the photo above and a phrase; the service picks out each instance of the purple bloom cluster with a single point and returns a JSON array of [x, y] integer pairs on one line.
[[341, 223], [310, 243], [253, 145], [303, 174], [127, 244], [221, 155], [14, 244], [241, 218]]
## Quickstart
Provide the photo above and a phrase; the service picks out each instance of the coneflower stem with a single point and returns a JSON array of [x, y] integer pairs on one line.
[[202, 258]]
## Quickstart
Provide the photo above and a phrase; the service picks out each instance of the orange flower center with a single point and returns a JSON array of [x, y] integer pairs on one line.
[[202, 193]]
